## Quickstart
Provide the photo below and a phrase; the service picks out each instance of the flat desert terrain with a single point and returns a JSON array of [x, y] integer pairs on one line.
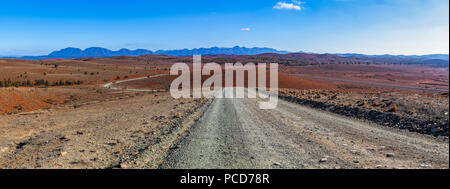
[[96, 113]]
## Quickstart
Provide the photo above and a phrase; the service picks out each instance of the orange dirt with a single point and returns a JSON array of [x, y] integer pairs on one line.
[[409, 78], [22, 100]]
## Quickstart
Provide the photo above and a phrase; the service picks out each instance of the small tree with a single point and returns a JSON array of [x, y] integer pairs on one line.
[[39, 82], [8, 83]]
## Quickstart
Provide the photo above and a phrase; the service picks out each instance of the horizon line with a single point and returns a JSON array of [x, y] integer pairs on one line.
[[196, 48]]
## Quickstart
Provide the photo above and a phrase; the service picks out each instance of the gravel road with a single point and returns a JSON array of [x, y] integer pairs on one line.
[[110, 85], [235, 133]]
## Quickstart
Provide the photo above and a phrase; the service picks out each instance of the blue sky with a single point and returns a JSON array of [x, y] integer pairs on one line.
[[32, 27]]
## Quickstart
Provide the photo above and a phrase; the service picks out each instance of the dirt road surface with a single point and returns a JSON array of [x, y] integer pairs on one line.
[[111, 84], [235, 133]]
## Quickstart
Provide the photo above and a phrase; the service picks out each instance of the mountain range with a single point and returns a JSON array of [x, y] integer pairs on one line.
[[441, 60], [103, 52]]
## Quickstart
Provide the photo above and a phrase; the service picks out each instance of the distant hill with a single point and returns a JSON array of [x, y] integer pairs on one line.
[[103, 52], [435, 62], [429, 56], [289, 59], [299, 59], [254, 54], [439, 60], [95, 52]]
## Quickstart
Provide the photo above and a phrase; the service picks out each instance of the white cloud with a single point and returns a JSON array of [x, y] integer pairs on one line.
[[245, 29], [295, 5]]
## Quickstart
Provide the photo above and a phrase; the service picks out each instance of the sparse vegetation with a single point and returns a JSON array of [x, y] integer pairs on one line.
[[39, 82]]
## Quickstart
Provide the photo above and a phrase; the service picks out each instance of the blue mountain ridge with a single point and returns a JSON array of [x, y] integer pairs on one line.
[[70, 52], [103, 52]]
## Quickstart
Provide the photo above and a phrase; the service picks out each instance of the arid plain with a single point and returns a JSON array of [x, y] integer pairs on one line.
[[57, 113]]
